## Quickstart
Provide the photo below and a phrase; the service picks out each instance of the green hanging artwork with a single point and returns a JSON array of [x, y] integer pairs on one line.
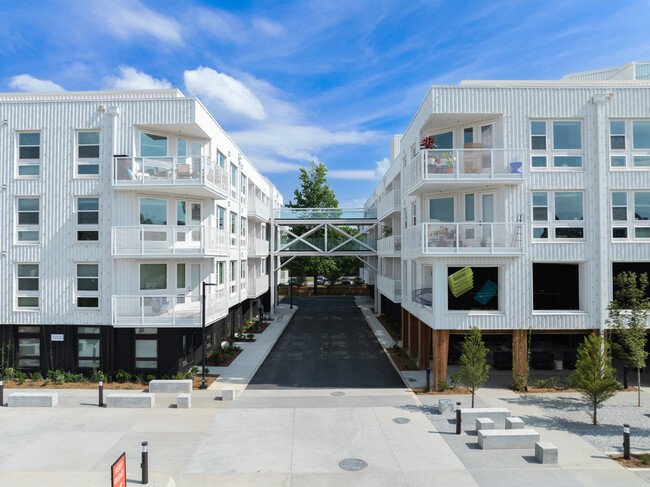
[[461, 281]]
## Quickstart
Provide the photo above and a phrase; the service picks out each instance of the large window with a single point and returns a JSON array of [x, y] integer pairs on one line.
[[558, 215], [556, 144], [29, 154], [88, 153], [233, 181], [441, 209], [221, 160], [629, 144], [146, 348], [221, 215], [27, 285], [153, 277], [484, 295], [637, 267], [88, 345], [152, 145], [87, 285], [630, 215], [29, 346], [556, 286], [153, 211], [220, 273], [87, 219], [233, 229], [28, 218], [233, 277]]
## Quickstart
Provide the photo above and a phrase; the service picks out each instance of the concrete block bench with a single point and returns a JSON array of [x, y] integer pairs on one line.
[[546, 452], [130, 400], [33, 400], [507, 439], [468, 415], [184, 401], [445, 406], [484, 424], [228, 394], [170, 386], [514, 424]]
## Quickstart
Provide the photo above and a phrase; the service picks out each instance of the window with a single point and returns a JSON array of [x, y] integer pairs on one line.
[[221, 160], [243, 186], [153, 211], [483, 296], [414, 213], [264, 268], [242, 229], [88, 153], [630, 215], [469, 208], [629, 151], [87, 219], [220, 273], [146, 348], [637, 267], [29, 154], [242, 268], [152, 145], [233, 229], [153, 276], [221, 213], [233, 181], [442, 209], [27, 295], [233, 277], [29, 346], [556, 287], [27, 230], [555, 215], [87, 285], [88, 346], [557, 143]]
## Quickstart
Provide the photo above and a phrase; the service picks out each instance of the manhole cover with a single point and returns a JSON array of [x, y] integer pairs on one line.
[[352, 464], [412, 380], [337, 393], [401, 420]]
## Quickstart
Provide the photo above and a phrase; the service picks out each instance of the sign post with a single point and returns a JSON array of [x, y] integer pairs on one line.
[[118, 472]]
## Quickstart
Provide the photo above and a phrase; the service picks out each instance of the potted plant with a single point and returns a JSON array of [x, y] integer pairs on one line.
[[450, 162], [387, 231], [428, 143]]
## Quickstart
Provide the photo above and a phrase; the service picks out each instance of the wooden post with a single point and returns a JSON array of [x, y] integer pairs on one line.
[[440, 343], [519, 355], [405, 329], [424, 339], [413, 333]]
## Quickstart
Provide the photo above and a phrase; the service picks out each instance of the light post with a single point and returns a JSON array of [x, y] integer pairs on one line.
[[205, 344], [290, 292]]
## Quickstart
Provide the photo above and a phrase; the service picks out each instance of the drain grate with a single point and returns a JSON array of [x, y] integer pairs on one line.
[[411, 379], [337, 393], [352, 464], [401, 420]]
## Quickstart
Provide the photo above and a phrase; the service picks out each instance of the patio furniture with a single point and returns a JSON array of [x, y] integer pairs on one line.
[[461, 281], [486, 293]]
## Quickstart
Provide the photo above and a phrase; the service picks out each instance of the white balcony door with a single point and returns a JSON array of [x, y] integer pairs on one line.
[[188, 289], [188, 213], [487, 216]]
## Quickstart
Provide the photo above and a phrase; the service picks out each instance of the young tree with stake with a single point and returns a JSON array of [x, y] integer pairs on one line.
[[473, 366]]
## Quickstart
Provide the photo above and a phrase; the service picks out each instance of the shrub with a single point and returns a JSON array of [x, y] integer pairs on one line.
[[542, 383], [178, 376], [645, 458], [192, 372], [10, 373], [455, 379], [20, 376], [97, 375], [123, 376], [250, 336], [570, 381], [165, 377], [442, 385], [151, 377], [58, 376], [553, 381], [139, 378], [36, 376], [72, 377]]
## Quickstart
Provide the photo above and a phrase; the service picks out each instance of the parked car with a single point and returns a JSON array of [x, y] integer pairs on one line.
[[346, 280], [320, 280], [293, 281], [358, 281]]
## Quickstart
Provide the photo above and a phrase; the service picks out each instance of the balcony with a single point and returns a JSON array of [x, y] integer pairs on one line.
[[188, 175], [167, 310], [391, 288], [467, 238], [168, 240], [389, 204], [451, 169], [257, 286], [258, 247], [346, 214], [259, 210], [390, 246]]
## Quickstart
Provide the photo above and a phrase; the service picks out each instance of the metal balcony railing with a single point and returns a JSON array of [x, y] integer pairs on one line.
[[389, 203], [257, 285], [392, 288], [258, 247], [168, 240], [389, 245], [256, 207]]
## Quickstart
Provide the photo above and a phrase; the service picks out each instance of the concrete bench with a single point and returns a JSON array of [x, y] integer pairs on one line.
[[130, 400], [507, 439], [33, 400], [228, 394], [170, 386], [468, 415], [514, 424], [484, 424], [546, 452], [184, 401], [445, 406]]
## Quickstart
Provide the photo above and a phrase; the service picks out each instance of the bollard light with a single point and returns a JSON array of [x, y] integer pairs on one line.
[[626, 441], [428, 380], [101, 393], [145, 463], [458, 418], [2, 398]]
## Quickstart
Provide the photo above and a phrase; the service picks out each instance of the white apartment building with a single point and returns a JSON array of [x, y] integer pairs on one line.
[[541, 188], [116, 207]]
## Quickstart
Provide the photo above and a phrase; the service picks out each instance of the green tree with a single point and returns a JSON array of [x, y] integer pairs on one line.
[[628, 317], [473, 366], [595, 378]]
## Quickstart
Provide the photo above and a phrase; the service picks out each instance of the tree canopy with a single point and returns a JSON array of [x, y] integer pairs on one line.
[[314, 190]]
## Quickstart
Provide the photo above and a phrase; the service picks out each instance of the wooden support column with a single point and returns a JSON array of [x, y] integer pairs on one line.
[[413, 336], [519, 355], [440, 342], [424, 354], [405, 329]]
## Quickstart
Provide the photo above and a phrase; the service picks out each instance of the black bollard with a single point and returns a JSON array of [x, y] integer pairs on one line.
[[625, 371], [458, 420], [428, 380], [626, 441], [145, 463], [2, 395], [101, 393]]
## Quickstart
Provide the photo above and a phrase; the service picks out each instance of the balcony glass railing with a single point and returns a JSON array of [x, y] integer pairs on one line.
[[325, 214], [167, 310], [332, 244], [464, 238], [257, 246], [257, 285], [172, 171], [389, 244], [390, 287], [389, 203], [169, 239], [256, 207]]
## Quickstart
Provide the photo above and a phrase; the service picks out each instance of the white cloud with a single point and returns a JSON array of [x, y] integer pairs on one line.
[[25, 82], [132, 79], [271, 165], [268, 27], [377, 173], [382, 167], [224, 91], [129, 18]]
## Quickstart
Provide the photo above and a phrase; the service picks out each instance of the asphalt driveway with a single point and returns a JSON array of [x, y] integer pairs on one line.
[[327, 344]]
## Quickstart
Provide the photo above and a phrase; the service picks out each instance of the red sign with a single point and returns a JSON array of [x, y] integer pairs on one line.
[[118, 472]]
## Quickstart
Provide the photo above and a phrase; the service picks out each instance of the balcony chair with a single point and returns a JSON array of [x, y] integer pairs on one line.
[[183, 171], [486, 293], [159, 305]]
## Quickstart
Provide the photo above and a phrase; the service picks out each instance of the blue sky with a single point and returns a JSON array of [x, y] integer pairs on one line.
[[323, 80]]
